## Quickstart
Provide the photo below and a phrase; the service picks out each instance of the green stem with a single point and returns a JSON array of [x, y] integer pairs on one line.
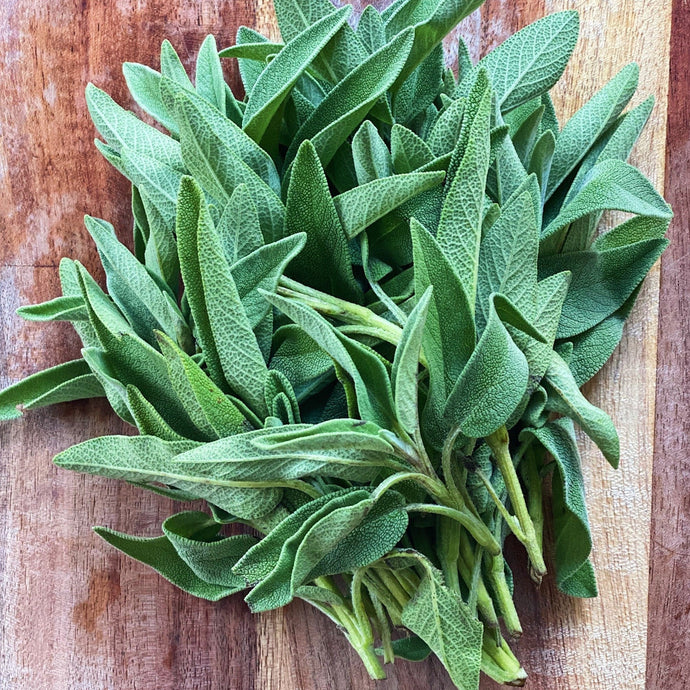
[[485, 604], [446, 457], [358, 632], [530, 473], [475, 527], [448, 535], [500, 664], [497, 577], [498, 442], [341, 309]]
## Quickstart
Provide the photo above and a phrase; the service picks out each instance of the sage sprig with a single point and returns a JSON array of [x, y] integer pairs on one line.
[[360, 307]]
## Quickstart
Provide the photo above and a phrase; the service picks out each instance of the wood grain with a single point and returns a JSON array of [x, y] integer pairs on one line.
[[73, 613], [668, 650]]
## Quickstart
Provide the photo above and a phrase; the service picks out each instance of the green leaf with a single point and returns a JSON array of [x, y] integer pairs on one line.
[[301, 359], [133, 289], [408, 150], [262, 269], [348, 103], [585, 126], [604, 277], [367, 532], [370, 154], [406, 365], [441, 618], [325, 262], [342, 54], [371, 30], [360, 207], [208, 78], [491, 385], [444, 134], [341, 448], [540, 161], [207, 406], [196, 540], [215, 135], [507, 259], [347, 536], [172, 68], [62, 383], [526, 136], [574, 573], [262, 558], [239, 227], [230, 348], [160, 554], [250, 69], [615, 144], [147, 459], [275, 82], [531, 61], [592, 349], [126, 359], [421, 88], [449, 335], [119, 128], [432, 22], [144, 84], [462, 214], [148, 420], [611, 185], [566, 399], [65, 308]]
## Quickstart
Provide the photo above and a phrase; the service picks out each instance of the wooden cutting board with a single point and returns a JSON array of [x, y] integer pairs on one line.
[[76, 615]]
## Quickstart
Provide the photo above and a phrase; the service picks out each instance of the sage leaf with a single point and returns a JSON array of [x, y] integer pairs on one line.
[[212, 412], [491, 385], [232, 352], [583, 129], [208, 78], [370, 154], [62, 383], [282, 73], [566, 399], [441, 618], [351, 99], [530, 62], [149, 459], [119, 128], [325, 262], [360, 207], [406, 365], [341, 448], [65, 308], [615, 271]]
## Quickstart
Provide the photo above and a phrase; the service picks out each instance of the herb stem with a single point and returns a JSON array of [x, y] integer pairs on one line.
[[448, 535], [357, 630], [498, 442], [485, 604], [500, 664], [499, 584], [369, 322], [475, 527]]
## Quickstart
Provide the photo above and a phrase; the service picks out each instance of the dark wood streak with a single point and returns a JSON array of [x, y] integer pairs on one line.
[[668, 650]]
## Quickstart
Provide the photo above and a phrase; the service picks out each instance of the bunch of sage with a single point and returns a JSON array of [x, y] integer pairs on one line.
[[360, 306]]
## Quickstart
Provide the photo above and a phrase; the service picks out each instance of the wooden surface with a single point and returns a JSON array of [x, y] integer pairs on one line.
[[76, 615], [668, 647]]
